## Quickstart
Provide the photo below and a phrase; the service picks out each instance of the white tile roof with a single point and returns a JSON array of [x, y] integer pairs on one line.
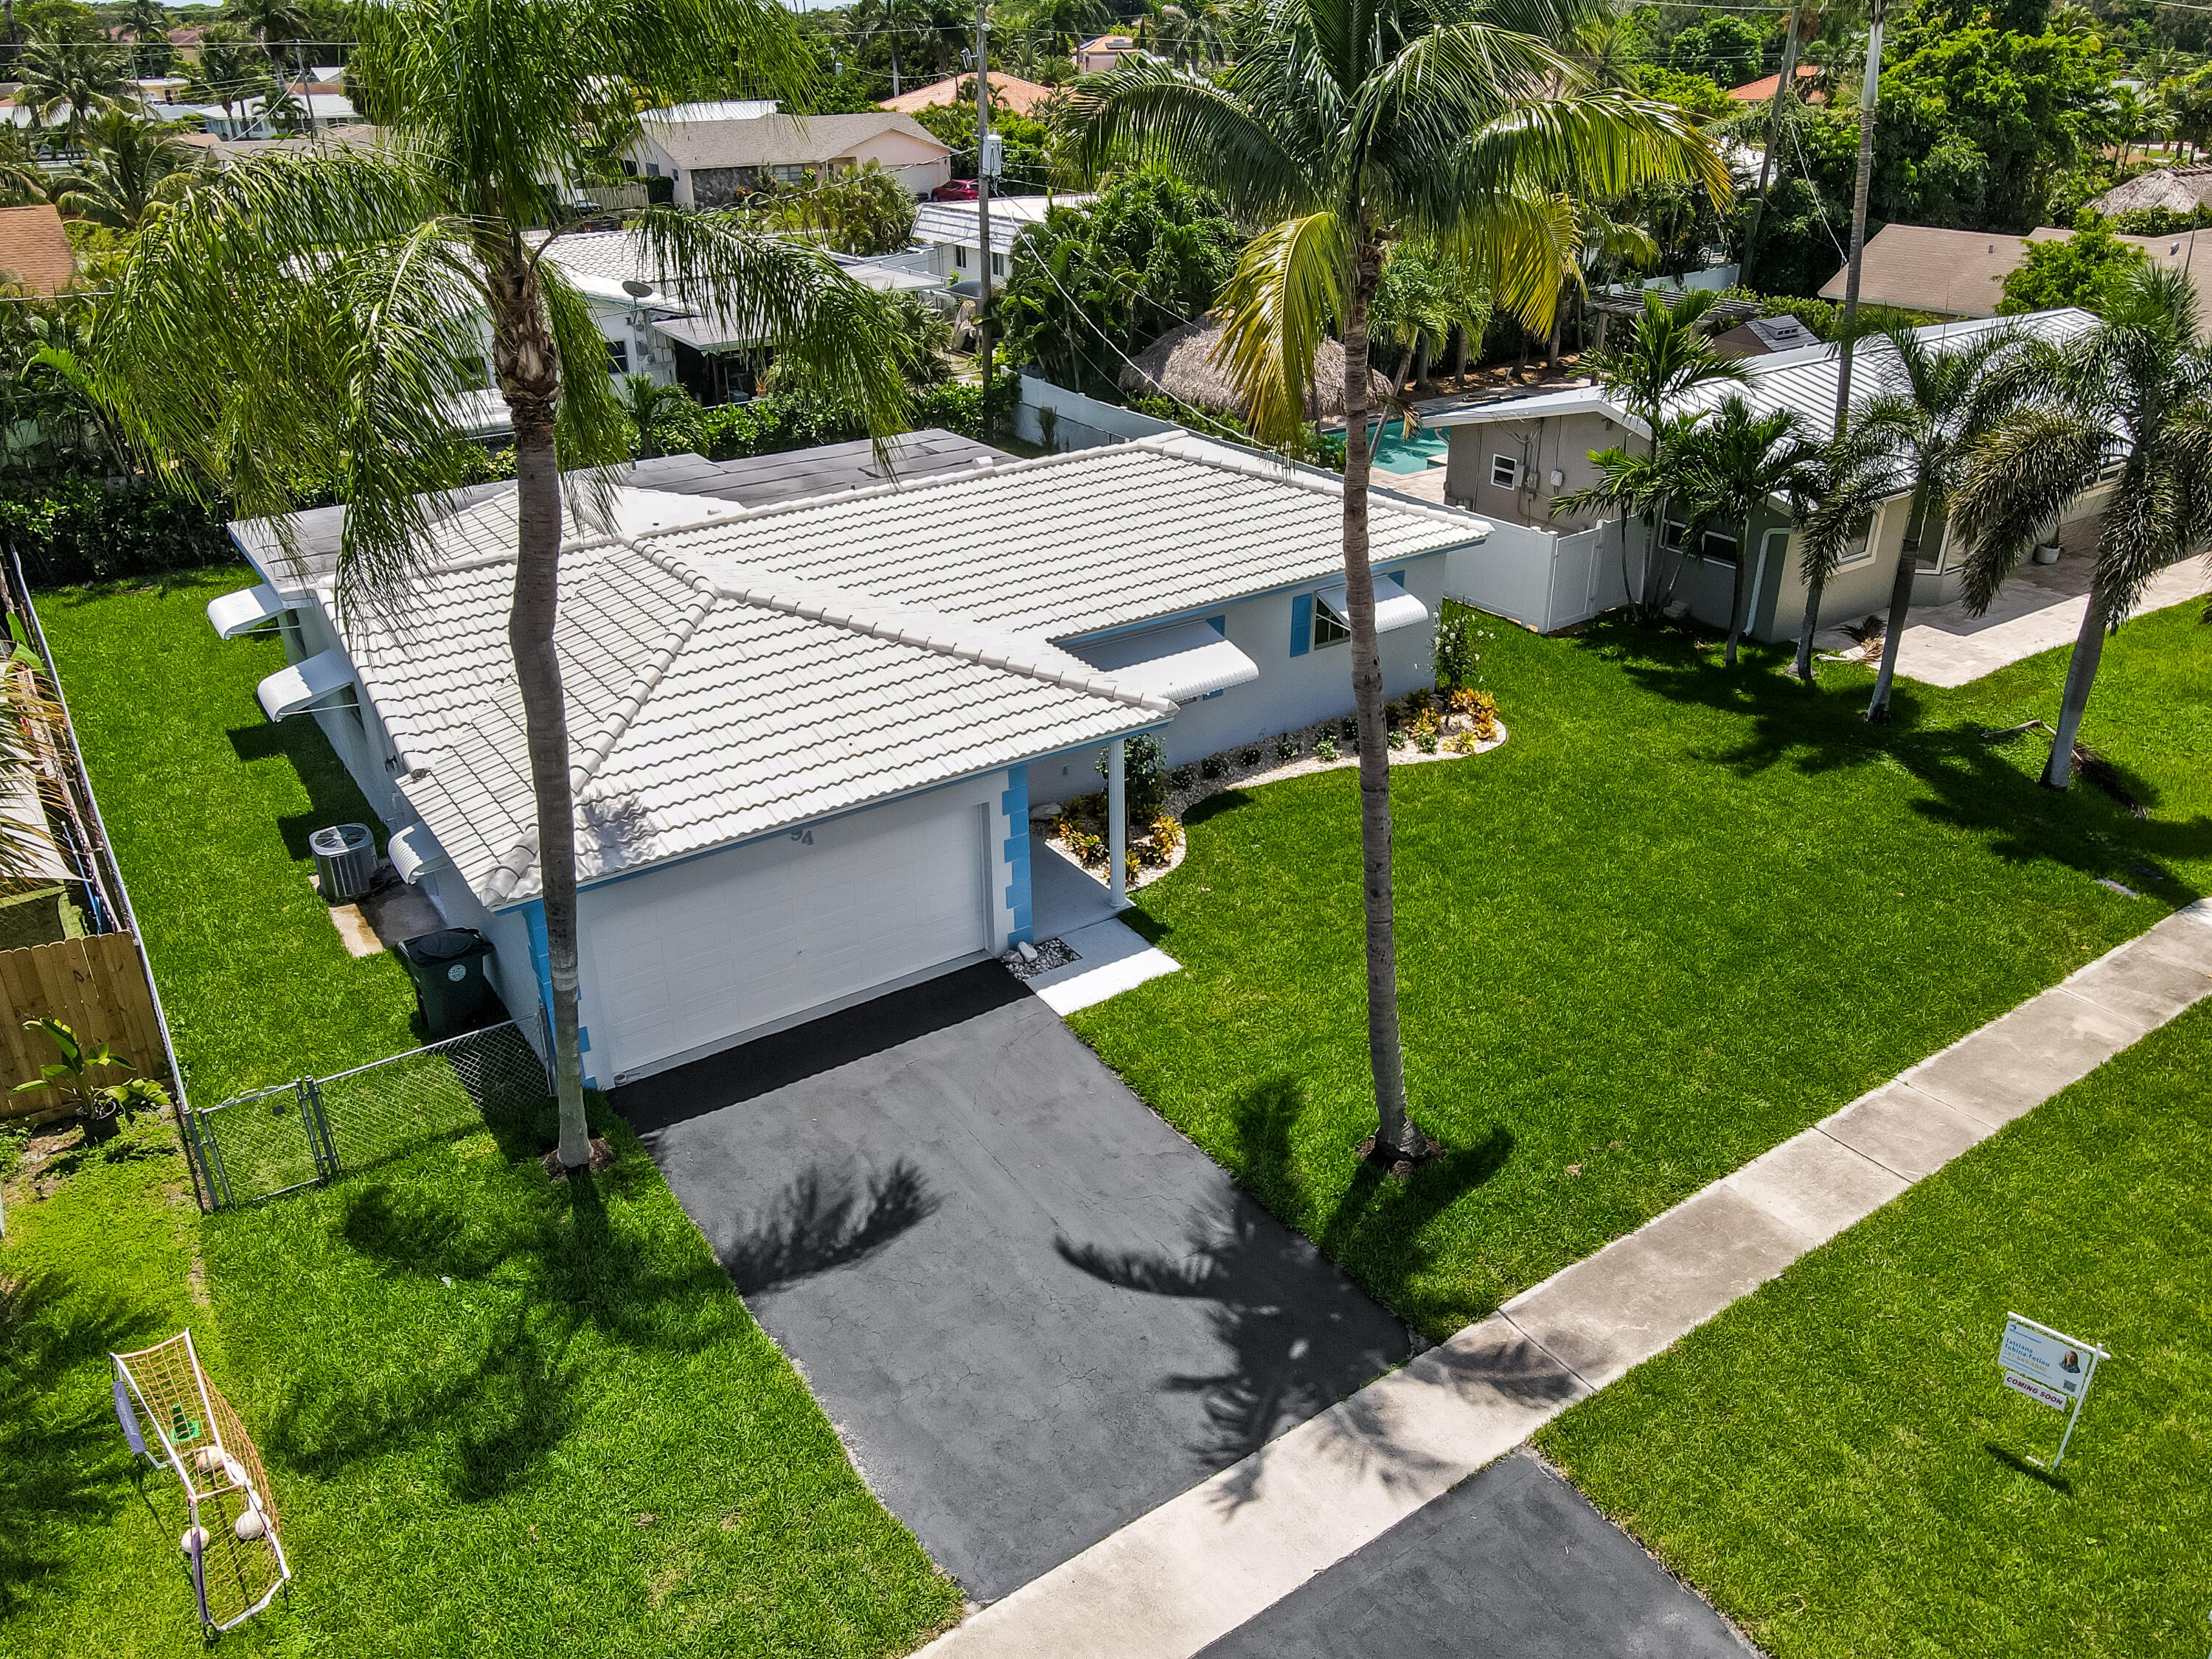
[[696, 718], [1079, 544], [771, 665]]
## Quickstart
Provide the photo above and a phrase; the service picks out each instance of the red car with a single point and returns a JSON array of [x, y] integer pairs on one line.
[[960, 190]]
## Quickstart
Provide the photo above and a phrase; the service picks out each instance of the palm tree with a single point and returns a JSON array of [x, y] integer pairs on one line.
[[67, 81], [1345, 126], [1848, 478], [129, 166], [1641, 484], [1743, 461], [305, 308], [1939, 402], [274, 23], [1666, 356], [2133, 395], [230, 71], [21, 178], [655, 409], [149, 22]]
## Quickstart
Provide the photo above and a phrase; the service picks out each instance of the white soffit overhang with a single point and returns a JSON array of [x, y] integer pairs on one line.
[[1180, 662], [234, 613], [1393, 606], [289, 690], [414, 854]]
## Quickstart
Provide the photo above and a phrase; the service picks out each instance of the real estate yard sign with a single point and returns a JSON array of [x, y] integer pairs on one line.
[[2049, 1367]]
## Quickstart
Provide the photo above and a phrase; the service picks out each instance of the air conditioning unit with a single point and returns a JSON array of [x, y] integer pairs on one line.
[[345, 862]]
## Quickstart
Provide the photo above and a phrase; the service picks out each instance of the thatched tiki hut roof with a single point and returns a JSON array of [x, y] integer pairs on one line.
[[1181, 365]]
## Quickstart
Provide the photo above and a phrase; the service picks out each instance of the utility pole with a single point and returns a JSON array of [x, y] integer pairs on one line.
[[983, 188]]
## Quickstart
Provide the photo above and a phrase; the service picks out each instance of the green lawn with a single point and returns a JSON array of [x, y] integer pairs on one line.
[[1833, 1460], [209, 805], [502, 1416], [1681, 914]]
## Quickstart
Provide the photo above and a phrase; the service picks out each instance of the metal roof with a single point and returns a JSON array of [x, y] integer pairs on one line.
[[953, 223], [1803, 381], [756, 481]]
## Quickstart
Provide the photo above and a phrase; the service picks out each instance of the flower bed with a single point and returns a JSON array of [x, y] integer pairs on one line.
[[1422, 727]]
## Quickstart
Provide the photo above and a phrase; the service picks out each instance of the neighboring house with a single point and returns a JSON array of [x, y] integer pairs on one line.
[[1758, 337], [331, 110], [809, 737], [1008, 92], [1758, 91], [1510, 460], [1096, 56], [34, 248], [225, 151], [713, 162], [2177, 190], [1962, 273], [949, 231]]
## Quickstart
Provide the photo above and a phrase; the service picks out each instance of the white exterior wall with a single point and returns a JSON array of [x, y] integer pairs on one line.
[[363, 745], [1004, 810]]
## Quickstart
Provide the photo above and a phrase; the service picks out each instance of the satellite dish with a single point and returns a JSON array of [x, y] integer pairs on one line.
[[635, 289]]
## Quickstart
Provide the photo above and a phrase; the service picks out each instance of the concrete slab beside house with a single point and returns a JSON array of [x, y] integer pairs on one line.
[[713, 162], [1512, 458], [808, 735]]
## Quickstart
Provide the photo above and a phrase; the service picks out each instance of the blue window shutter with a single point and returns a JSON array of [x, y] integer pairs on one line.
[[1300, 623]]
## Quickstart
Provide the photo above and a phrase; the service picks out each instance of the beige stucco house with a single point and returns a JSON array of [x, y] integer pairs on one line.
[[1509, 460], [713, 162]]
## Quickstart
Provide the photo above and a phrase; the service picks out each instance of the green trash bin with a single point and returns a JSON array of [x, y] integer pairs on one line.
[[451, 971]]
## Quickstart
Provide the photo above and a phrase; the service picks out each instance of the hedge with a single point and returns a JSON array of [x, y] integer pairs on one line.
[[771, 425]]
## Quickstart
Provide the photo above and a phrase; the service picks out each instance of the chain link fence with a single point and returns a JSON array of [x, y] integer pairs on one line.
[[303, 1134]]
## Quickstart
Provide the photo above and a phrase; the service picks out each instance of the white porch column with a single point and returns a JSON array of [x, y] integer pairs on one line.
[[1117, 827]]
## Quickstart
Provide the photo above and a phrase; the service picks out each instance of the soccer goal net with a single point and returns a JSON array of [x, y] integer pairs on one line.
[[173, 1415]]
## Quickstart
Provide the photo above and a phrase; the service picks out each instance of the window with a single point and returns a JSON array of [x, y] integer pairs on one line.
[[789, 175], [653, 169], [960, 259], [1715, 545], [998, 264], [1504, 472], [1328, 628], [618, 357]]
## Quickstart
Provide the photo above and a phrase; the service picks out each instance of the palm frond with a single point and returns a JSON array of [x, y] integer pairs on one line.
[[1148, 112], [1289, 287], [2020, 477]]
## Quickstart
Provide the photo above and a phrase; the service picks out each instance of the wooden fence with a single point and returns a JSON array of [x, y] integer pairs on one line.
[[96, 986]]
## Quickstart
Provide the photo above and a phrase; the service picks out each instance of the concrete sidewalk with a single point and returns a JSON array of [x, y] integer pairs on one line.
[[1203, 1563]]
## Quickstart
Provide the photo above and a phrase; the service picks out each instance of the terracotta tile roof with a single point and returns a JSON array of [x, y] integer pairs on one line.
[[1758, 91], [35, 249], [1008, 92]]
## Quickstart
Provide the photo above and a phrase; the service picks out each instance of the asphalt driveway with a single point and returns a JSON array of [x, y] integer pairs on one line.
[[1034, 1310], [1513, 1563]]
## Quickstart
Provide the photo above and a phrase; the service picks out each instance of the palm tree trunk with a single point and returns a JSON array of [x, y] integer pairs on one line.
[[1869, 103], [1394, 1134], [1736, 596], [1900, 605], [2080, 675], [1803, 667], [529, 375], [1784, 86]]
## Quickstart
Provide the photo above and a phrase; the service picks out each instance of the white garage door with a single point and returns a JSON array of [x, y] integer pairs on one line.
[[686, 958]]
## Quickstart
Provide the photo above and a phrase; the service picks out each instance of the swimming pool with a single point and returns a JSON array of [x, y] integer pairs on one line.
[[1396, 453]]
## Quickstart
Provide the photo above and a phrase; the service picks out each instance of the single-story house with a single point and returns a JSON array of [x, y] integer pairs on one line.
[[2185, 189], [1962, 273], [807, 737], [34, 248], [713, 162], [1008, 92], [951, 233], [1096, 56], [1758, 91], [1510, 458]]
